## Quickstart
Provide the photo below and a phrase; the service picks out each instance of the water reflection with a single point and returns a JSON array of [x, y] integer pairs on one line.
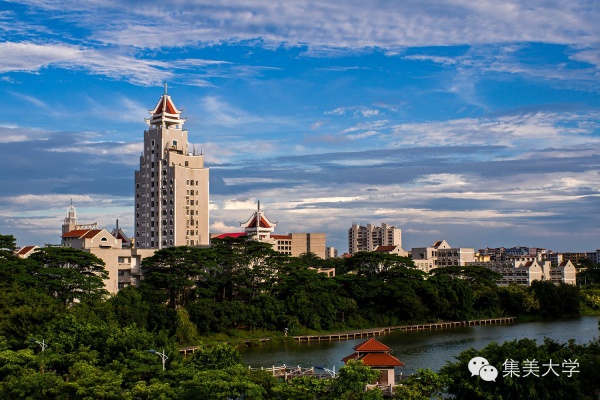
[[424, 349]]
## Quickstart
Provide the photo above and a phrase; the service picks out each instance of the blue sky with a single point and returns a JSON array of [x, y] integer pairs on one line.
[[474, 122]]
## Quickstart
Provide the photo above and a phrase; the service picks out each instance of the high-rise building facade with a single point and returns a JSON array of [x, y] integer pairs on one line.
[[367, 238], [171, 186]]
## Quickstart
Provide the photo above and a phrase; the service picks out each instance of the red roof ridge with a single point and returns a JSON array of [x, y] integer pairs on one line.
[[371, 345]]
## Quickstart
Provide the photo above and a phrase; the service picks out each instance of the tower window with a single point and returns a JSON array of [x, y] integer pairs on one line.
[[175, 143], [186, 164]]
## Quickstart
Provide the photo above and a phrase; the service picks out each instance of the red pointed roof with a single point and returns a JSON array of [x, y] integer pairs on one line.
[[263, 223], [374, 354], [371, 345], [165, 111]]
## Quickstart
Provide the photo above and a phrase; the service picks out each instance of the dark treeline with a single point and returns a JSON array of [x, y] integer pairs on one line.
[[98, 344], [246, 285]]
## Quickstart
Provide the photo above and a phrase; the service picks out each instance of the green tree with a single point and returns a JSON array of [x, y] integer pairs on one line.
[[351, 381], [463, 385], [423, 385], [176, 272], [221, 356], [8, 244], [68, 274]]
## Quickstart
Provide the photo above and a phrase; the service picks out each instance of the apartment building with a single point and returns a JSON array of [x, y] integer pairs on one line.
[[441, 254], [369, 237], [171, 186], [527, 269]]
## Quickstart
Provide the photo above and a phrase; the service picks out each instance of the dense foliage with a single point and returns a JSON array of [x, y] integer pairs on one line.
[[98, 344]]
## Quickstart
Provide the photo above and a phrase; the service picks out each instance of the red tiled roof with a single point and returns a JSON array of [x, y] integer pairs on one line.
[[230, 235], [436, 244], [381, 360], [82, 233], [375, 359], [385, 248], [371, 345], [91, 234], [25, 250], [75, 234]]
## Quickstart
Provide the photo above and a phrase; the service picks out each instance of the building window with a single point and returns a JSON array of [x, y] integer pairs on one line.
[[186, 164], [174, 142]]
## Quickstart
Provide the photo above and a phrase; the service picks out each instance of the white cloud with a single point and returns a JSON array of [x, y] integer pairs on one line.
[[221, 227], [47, 200], [245, 204], [337, 111], [323, 24], [12, 134], [369, 113]]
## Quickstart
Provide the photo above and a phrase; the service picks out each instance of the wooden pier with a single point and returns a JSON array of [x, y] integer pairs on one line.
[[404, 328]]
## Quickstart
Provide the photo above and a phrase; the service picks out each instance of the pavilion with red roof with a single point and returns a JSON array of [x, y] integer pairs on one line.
[[377, 356]]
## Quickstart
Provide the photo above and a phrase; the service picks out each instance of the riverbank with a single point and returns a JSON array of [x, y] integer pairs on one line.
[[259, 338]]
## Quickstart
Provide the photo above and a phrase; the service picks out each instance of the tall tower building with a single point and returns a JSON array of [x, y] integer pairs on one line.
[[171, 186]]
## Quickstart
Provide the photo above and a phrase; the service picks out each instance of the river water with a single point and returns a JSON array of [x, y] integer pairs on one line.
[[422, 349]]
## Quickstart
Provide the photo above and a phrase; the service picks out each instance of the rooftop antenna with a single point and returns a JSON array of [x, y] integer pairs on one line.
[[259, 205], [165, 87], [117, 224]]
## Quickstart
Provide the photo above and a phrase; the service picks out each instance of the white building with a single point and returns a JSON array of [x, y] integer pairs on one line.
[[171, 187], [441, 254], [525, 270], [368, 238], [122, 261]]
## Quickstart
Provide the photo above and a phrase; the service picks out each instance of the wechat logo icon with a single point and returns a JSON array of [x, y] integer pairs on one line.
[[479, 366]]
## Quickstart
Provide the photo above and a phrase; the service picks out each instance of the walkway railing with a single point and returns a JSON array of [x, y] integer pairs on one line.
[[417, 327]]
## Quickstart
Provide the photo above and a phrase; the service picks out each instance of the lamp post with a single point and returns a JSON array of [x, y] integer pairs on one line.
[[42, 344], [162, 355]]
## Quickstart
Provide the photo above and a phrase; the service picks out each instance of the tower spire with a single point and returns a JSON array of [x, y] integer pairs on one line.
[[166, 86]]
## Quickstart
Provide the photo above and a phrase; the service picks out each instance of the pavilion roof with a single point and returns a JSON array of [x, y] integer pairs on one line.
[[371, 345]]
